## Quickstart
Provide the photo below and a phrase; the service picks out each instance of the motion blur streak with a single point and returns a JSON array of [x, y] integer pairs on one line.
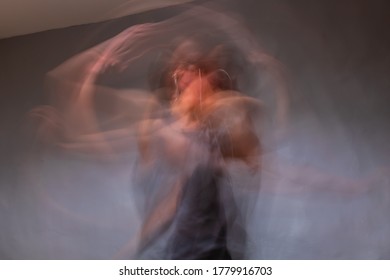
[[194, 120]]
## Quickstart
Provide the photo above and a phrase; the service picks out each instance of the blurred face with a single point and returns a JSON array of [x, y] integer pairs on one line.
[[185, 76], [186, 56]]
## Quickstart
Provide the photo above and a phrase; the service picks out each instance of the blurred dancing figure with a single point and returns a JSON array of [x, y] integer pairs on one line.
[[185, 130], [210, 123]]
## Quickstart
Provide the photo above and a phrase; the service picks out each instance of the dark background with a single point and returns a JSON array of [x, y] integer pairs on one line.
[[337, 57]]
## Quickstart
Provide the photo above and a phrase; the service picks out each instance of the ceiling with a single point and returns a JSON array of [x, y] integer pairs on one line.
[[19, 17]]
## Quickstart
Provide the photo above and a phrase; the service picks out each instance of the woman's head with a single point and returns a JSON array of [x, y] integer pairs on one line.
[[192, 57]]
